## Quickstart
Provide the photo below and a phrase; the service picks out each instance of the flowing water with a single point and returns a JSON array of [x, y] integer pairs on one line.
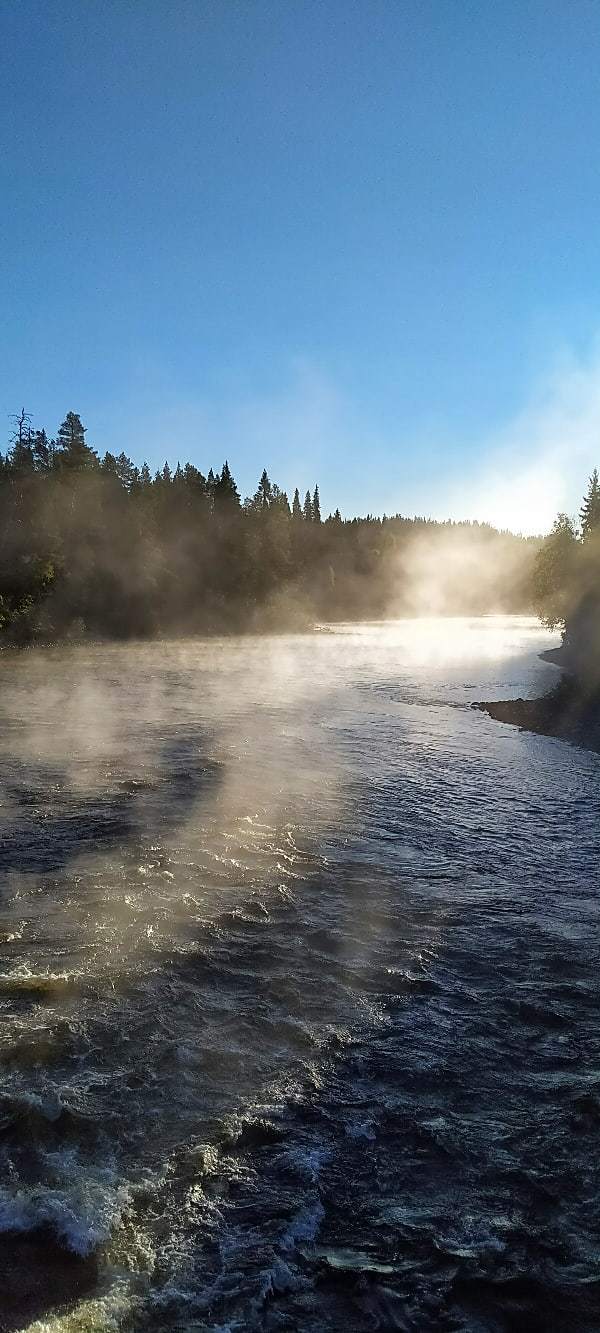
[[299, 988]]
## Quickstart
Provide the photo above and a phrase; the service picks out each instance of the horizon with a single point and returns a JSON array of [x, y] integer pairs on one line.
[[345, 243]]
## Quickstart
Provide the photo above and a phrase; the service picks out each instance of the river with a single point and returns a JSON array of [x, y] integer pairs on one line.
[[299, 987]]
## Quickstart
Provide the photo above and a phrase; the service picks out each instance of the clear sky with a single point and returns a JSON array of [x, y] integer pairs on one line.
[[357, 242]]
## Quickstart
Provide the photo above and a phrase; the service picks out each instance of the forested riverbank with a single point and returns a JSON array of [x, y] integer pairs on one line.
[[566, 582], [97, 547]]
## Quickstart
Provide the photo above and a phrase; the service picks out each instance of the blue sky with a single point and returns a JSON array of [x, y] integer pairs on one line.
[[353, 242]]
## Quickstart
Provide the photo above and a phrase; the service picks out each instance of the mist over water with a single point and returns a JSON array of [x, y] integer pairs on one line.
[[299, 984]]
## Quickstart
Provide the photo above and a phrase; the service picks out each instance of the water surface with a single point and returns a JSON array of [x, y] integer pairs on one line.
[[299, 986]]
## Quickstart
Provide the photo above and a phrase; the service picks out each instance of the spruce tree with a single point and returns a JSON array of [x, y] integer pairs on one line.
[[316, 506], [307, 510], [74, 454], [41, 449], [224, 488], [589, 514], [296, 506], [264, 491]]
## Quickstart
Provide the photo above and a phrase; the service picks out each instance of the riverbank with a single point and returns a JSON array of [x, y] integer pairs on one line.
[[566, 712]]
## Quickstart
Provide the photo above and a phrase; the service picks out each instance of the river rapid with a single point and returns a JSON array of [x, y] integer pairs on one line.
[[299, 988]]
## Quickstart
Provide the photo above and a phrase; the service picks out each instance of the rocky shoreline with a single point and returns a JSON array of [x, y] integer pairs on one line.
[[567, 712]]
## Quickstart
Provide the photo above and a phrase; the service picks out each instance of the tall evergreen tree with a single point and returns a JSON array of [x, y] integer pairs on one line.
[[74, 453], [316, 506], [42, 449], [296, 506], [126, 471], [589, 515], [307, 510], [264, 491], [225, 490]]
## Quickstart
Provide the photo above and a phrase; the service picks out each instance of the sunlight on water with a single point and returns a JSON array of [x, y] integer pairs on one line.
[[273, 910], [439, 640]]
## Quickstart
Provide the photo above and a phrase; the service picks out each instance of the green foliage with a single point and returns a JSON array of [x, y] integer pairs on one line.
[[589, 514], [567, 586], [555, 572], [74, 454], [102, 548]]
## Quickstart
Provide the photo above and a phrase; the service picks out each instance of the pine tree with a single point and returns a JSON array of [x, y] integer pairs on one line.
[[166, 474], [74, 452], [589, 515], [125, 470], [307, 510], [316, 506], [145, 478], [296, 506], [194, 480]]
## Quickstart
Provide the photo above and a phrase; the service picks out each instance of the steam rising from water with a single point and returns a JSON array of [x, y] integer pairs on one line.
[[538, 463], [442, 571], [246, 989]]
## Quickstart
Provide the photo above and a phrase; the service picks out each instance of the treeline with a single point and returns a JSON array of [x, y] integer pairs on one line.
[[99, 546], [567, 584]]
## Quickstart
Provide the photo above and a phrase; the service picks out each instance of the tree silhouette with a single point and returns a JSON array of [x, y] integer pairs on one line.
[[75, 454], [589, 514], [103, 548]]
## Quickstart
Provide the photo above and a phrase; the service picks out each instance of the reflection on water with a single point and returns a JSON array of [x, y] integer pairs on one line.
[[299, 987]]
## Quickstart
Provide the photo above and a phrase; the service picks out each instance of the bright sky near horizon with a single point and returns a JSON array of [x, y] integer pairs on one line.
[[353, 242]]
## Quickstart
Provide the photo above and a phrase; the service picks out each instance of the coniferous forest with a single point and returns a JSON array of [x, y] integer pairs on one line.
[[566, 584], [98, 546]]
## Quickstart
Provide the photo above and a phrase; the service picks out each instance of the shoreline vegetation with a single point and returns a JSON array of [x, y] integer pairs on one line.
[[567, 597], [97, 548]]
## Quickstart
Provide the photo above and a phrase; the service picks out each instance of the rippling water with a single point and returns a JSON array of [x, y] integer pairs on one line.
[[299, 988]]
